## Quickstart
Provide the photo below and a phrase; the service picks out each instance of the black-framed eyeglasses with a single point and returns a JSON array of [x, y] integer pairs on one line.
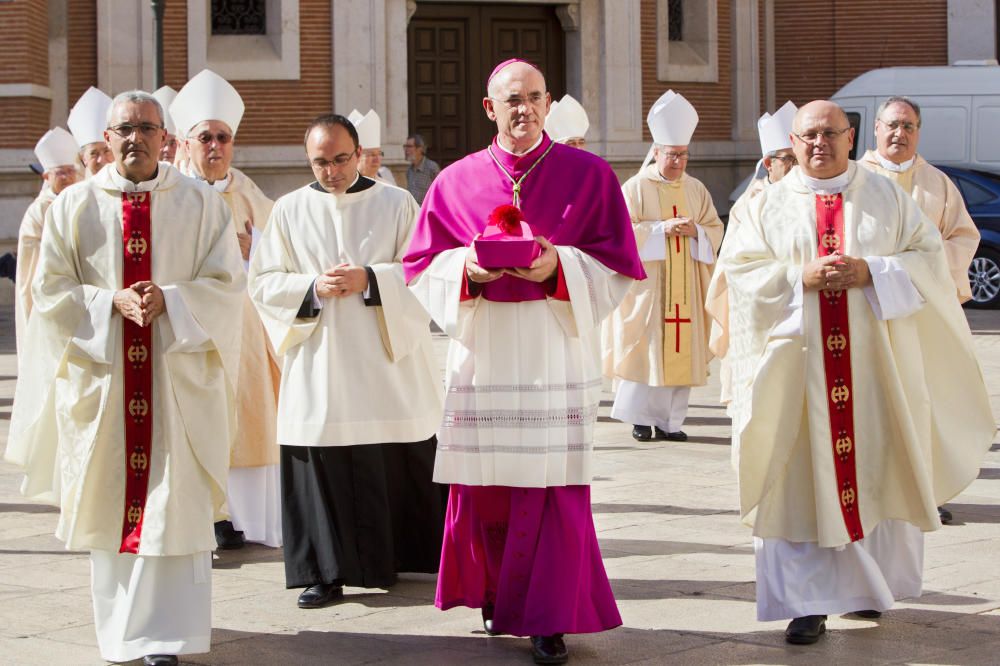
[[676, 157], [219, 137], [787, 159], [813, 137], [534, 99], [339, 160], [125, 130]]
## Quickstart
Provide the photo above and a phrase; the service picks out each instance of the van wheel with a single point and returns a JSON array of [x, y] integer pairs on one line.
[[984, 278]]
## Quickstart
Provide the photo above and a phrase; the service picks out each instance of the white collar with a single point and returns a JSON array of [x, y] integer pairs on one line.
[[511, 152], [889, 165], [125, 185], [833, 185]]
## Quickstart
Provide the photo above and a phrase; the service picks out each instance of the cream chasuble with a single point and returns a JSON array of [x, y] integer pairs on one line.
[[354, 374], [912, 413], [658, 336], [260, 375], [29, 236], [941, 201], [71, 410]]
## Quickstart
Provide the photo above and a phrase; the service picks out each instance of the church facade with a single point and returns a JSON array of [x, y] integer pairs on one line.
[[422, 66]]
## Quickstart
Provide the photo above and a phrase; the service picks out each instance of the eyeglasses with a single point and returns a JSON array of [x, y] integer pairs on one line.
[[813, 137], [373, 153], [894, 125], [208, 137], [125, 130], [534, 99], [675, 157], [340, 160], [787, 159]]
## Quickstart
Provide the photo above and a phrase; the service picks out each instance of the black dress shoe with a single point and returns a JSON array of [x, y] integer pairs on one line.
[[488, 621], [679, 436], [642, 433], [320, 595], [549, 649], [805, 630], [945, 515], [869, 614], [159, 660], [228, 537]]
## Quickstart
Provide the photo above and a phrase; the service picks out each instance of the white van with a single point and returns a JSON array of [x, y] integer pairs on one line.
[[959, 110]]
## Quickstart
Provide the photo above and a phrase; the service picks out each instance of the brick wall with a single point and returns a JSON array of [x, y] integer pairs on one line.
[[277, 112], [24, 50], [81, 48], [820, 45], [712, 100]]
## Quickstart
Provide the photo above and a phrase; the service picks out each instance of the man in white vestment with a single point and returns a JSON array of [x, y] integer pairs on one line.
[[778, 158], [897, 134], [655, 344], [125, 413], [360, 390], [857, 399], [57, 153], [207, 111], [567, 122], [87, 121], [369, 127]]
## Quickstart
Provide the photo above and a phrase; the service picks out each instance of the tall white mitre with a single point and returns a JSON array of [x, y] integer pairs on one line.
[[775, 130], [567, 119], [56, 148], [369, 128], [207, 96], [89, 117], [672, 120], [165, 96]]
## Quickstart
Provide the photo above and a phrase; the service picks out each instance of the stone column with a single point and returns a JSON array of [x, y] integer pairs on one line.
[[124, 46], [745, 69]]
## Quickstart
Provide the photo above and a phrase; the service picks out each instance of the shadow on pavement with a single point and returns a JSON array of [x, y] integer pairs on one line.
[[659, 508]]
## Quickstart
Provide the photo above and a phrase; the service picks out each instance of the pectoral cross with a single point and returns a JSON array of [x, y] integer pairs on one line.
[[677, 321]]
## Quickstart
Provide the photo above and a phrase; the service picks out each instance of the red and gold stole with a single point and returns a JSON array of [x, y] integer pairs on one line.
[[837, 364], [137, 369], [678, 279]]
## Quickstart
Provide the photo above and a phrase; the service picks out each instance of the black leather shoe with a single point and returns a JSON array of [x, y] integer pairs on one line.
[[228, 537], [642, 433], [945, 515], [488, 621], [159, 660], [320, 595], [805, 630], [549, 649], [869, 614], [679, 436]]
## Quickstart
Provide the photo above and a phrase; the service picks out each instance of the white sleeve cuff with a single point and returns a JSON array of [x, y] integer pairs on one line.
[[891, 293], [701, 247], [655, 248], [93, 335], [189, 336], [317, 302], [790, 323]]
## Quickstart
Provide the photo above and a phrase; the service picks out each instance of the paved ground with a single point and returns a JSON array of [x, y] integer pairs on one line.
[[680, 563]]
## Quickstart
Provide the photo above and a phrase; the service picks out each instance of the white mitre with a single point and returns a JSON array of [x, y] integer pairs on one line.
[[672, 120], [207, 96], [567, 119], [369, 129], [775, 130], [165, 96], [89, 117], [56, 148]]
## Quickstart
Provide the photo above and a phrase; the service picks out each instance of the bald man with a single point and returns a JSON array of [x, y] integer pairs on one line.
[[858, 405]]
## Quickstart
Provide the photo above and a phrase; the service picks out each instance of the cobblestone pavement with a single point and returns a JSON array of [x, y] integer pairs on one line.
[[679, 560]]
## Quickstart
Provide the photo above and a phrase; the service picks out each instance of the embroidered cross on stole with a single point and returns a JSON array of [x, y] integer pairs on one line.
[[678, 278], [836, 336], [137, 347]]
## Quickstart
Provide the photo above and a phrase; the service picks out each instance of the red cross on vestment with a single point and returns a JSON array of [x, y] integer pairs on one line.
[[677, 320]]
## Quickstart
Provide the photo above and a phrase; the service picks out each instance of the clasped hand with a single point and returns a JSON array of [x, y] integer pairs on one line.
[[836, 272], [541, 269], [142, 302], [342, 280], [680, 226]]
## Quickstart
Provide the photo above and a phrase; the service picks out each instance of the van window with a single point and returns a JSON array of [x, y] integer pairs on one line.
[[854, 118], [974, 194]]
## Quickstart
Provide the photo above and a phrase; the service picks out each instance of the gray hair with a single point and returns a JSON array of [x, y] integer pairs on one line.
[[418, 140], [134, 97], [898, 99]]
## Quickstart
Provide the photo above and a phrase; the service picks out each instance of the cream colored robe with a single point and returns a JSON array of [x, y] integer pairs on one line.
[[29, 236], [633, 336], [260, 374], [941, 201], [67, 427], [355, 374], [921, 411]]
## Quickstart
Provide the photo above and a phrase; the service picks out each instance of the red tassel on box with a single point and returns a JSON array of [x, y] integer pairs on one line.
[[508, 218]]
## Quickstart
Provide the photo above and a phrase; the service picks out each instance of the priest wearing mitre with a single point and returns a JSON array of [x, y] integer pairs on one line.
[[207, 112], [124, 409], [567, 122], [523, 369], [87, 121], [656, 342], [369, 127], [360, 391], [57, 153], [165, 96], [857, 398]]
